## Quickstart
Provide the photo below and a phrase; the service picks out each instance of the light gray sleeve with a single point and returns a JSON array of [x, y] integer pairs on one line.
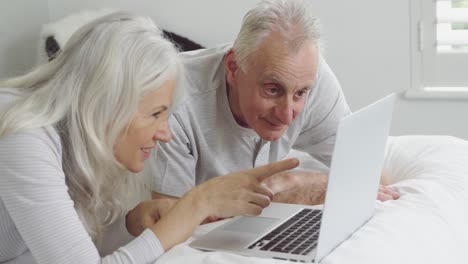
[[325, 107], [114, 236], [172, 167], [35, 195]]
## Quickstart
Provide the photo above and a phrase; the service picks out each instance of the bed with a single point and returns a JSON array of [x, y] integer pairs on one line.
[[428, 224]]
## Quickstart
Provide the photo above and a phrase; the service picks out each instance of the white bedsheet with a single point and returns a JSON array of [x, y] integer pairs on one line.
[[428, 224]]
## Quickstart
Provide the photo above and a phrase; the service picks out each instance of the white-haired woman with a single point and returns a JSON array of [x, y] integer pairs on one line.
[[73, 131]]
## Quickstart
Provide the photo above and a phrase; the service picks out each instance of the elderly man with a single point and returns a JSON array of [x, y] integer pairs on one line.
[[251, 103]]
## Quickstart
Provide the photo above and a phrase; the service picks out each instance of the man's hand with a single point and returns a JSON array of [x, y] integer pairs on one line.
[[146, 214], [298, 187], [304, 187], [386, 193]]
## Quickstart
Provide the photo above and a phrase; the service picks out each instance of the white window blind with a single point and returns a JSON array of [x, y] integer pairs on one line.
[[452, 26], [440, 50]]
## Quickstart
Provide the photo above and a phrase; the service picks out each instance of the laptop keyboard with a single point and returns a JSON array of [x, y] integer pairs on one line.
[[298, 235]]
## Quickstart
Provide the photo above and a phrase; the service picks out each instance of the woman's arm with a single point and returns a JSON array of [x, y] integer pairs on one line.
[[35, 196], [240, 193]]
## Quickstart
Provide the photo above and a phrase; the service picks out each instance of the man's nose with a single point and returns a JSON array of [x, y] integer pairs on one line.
[[285, 112], [163, 133]]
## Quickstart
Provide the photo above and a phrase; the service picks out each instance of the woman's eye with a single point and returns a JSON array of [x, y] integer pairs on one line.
[[157, 114]]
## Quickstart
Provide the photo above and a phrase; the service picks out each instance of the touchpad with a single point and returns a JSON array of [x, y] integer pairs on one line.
[[249, 224]]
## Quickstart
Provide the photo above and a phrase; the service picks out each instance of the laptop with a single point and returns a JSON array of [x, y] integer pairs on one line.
[[309, 233]]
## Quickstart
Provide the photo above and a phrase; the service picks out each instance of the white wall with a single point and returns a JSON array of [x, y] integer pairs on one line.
[[367, 45], [208, 22], [20, 23]]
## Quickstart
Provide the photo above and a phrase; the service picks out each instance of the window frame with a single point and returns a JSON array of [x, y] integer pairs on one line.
[[422, 61]]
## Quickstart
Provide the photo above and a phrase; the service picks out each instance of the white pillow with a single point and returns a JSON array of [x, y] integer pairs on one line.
[[62, 29]]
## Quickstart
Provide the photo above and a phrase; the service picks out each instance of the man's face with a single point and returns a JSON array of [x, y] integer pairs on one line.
[[271, 93]]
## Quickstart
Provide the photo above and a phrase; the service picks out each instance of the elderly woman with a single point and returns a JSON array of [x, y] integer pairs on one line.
[[73, 132]]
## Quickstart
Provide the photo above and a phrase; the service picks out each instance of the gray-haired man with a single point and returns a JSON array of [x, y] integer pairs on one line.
[[251, 103]]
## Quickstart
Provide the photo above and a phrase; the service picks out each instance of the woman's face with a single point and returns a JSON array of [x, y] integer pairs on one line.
[[148, 125]]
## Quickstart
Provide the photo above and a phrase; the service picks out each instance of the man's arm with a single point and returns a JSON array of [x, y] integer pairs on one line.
[[298, 187], [304, 187], [156, 195]]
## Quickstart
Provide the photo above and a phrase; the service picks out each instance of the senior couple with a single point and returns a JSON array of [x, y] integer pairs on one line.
[[119, 100]]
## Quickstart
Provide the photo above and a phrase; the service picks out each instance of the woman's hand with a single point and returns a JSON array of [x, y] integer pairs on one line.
[[146, 214], [234, 194], [239, 193]]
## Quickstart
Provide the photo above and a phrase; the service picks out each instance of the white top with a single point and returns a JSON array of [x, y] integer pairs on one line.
[[207, 142], [38, 222]]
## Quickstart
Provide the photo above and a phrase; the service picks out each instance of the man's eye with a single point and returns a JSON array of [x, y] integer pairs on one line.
[[272, 90], [301, 94]]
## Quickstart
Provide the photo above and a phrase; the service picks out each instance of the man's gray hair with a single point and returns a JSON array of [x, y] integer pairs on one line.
[[281, 16], [90, 93]]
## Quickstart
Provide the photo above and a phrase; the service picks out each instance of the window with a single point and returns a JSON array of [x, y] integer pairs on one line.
[[439, 36], [452, 26]]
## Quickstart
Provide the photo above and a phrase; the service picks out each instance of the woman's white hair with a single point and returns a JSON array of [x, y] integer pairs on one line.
[[269, 16], [90, 93]]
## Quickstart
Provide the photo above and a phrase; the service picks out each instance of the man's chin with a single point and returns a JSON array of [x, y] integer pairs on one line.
[[271, 135]]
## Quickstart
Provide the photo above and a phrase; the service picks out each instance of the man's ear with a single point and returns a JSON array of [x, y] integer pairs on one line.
[[231, 68]]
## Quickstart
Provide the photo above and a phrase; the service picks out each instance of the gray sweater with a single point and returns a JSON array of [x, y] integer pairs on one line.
[[207, 141]]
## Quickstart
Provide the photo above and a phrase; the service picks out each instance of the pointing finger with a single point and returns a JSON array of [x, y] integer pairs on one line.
[[268, 170]]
